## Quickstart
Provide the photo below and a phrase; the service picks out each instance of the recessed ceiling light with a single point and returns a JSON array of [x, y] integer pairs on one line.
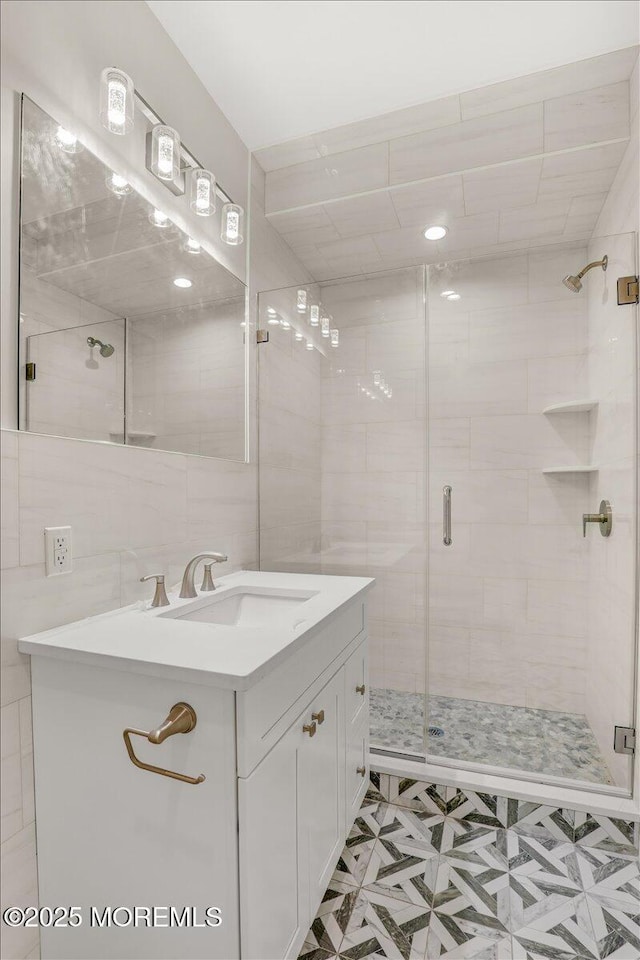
[[435, 233], [182, 282], [447, 293], [453, 296]]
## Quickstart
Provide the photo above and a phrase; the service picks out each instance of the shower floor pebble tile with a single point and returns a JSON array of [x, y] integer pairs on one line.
[[438, 888], [558, 744]]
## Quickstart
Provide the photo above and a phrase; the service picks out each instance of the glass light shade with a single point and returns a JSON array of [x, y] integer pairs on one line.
[[301, 301], [159, 219], [298, 335], [285, 324], [117, 101], [67, 141], [118, 185], [314, 315], [335, 338], [232, 224], [326, 326], [191, 246], [309, 344], [203, 192], [165, 152]]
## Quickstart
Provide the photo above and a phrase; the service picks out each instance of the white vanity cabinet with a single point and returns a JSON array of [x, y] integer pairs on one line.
[[284, 750]]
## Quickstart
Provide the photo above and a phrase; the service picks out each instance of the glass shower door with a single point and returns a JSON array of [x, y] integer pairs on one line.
[[532, 423], [342, 433]]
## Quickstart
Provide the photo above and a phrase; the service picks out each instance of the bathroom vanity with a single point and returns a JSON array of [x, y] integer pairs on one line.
[[268, 677]]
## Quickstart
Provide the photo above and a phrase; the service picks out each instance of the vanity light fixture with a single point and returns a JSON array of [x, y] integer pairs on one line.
[[435, 232], [203, 192], [309, 344], [232, 224], [182, 282], [285, 324], [326, 326], [67, 141], [298, 336], [159, 219], [165, 152], [118, 185], [301, 301], [335, 338], [116, 101], [314, 315], [191, 246]]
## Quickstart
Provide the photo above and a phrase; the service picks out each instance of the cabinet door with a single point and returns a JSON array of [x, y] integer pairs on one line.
[[357, 767], [321, 788], [357, 684], [273, 885]]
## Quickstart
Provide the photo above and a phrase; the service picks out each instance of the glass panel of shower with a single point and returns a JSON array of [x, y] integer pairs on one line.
[[532, 424], [342, 447], [519, 658]]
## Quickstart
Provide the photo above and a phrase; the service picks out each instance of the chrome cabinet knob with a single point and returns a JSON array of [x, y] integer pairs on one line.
[[319, 716], [310, 728]]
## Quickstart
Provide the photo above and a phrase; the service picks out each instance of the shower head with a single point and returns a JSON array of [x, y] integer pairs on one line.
[[106, 349], [574, 283]]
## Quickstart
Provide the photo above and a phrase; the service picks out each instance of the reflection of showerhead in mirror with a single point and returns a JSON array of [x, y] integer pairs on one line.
[[106, 349]]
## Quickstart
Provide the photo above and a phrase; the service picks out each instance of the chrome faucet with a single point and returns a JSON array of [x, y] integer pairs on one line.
[[188, 589]]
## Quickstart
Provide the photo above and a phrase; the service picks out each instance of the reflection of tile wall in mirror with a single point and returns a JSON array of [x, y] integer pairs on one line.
[[89, 255]]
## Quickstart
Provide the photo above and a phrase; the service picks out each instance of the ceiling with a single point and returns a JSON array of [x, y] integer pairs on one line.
[[280, 69]]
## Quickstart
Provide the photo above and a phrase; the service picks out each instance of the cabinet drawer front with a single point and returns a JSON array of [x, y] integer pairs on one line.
[[266, 710], [357, 685]]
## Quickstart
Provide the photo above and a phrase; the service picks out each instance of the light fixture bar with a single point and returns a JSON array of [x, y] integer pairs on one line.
[[188, 160]]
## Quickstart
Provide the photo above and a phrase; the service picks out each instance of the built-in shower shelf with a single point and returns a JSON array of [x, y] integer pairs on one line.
[[572, 406], [585, 469], [132, 435]]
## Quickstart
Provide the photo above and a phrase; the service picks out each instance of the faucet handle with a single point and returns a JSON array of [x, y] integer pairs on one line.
[[207, 579], [160, 598]]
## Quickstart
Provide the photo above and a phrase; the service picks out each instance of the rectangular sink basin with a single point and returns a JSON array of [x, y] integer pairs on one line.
[[246, 607]]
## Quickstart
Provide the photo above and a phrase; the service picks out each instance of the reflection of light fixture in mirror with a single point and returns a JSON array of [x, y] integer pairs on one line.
[[314, 315], [326, 326], [191, 246], [118, 185], [203, 192], [165, 152], [377, 377], [182, 282], [116, 101], [298, 336], [159, 219], [335, 338], [272, 316], [453, 296], [301, 301], [285, 324], [309, 344], [67, 141], [447, 293], [232, 222]]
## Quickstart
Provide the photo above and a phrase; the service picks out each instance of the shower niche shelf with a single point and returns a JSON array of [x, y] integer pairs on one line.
[[572, 406], [579, 469]]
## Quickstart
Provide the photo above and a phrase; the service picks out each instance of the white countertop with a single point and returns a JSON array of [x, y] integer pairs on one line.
[[143, 640]]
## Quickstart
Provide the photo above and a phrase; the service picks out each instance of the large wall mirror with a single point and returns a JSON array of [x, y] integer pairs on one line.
[[130, 331]]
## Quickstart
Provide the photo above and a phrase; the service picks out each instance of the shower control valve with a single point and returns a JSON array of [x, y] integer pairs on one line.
[[604, 518]]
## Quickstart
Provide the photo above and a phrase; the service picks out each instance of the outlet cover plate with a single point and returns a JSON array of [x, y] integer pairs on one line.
[[57, 551]]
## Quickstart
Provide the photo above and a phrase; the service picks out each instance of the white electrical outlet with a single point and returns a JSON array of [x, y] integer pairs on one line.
[[57, 550]]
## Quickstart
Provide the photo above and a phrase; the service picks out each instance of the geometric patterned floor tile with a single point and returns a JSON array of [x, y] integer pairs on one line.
[[359, 846], [557, 925], [385, 926], [309, 952], [619, 836], [608, 872], [422, 830], [401, 870], [615, 916], [332, 919]]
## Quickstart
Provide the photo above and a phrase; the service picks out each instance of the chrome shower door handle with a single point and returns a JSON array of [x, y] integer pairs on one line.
[[446, 516]]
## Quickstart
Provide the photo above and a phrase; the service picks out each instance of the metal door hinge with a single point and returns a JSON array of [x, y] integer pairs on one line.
[[262, 336], [624, 740], [30, 371], [627, 290]]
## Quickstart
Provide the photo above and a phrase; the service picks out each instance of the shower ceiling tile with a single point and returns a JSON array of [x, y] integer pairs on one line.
[[502, 187], [355, 216], [338, 176], [580, 172], [542, 219], [432, 201], [473, 143], [569, 78], [588, 116]]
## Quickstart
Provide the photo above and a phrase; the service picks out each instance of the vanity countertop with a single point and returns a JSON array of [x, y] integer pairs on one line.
[[139, 639]]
